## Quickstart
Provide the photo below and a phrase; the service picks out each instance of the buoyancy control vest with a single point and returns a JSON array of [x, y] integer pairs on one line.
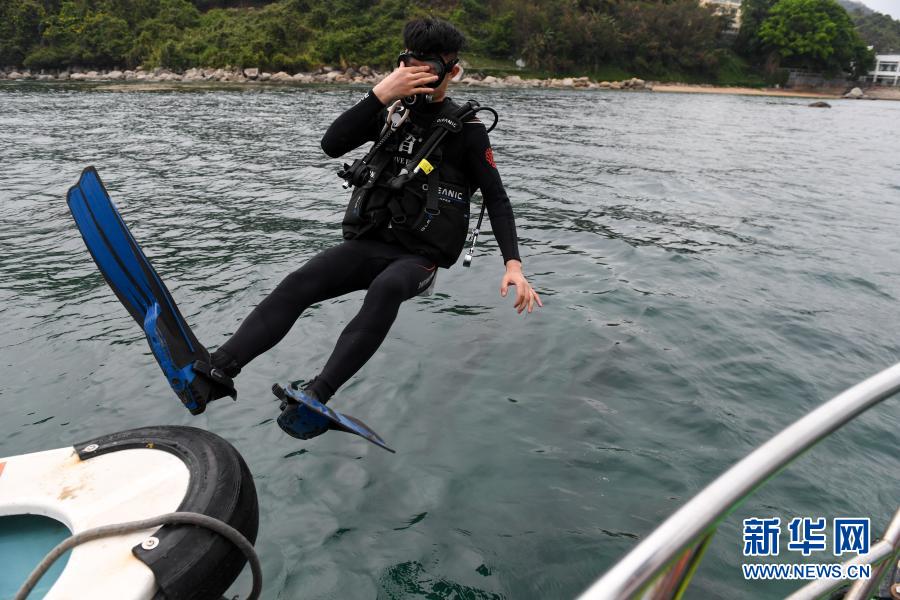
[[427, 208]]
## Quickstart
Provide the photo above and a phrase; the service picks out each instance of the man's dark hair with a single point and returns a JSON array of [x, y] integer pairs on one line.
[[432, 36]]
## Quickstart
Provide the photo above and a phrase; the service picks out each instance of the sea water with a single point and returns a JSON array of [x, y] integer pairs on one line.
[[712, 268]]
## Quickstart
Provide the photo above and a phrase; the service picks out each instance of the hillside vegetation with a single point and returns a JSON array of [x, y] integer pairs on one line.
[[661, 39]]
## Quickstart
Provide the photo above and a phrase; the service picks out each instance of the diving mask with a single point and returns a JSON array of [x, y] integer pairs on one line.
[[438, 67]]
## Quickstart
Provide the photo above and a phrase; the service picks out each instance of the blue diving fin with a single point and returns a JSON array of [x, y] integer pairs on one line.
[[183, 359], [316, 418]]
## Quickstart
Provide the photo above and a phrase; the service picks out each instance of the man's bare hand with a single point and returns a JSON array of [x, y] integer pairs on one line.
[[405, 81], [526, 297]]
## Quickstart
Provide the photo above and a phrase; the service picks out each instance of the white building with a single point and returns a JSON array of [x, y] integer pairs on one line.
[[887, 70], [727, 8]]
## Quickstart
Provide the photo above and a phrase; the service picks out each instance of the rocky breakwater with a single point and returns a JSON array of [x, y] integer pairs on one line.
[[252, 75], [567, 82], [222, 75]]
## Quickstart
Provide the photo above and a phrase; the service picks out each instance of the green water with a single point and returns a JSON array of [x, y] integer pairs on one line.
[[24, 541], [712, 268]]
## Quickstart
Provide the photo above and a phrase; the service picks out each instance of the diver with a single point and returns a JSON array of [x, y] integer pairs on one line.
[[392, 246], [408, 215]]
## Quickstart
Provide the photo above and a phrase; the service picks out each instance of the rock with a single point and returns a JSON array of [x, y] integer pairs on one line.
[[251, 73], [16, 75], [264, 76], [73, 77], [820, 105], [520, 63], [92, 75], [616, 85], [281, 76], [582, 82], [303, 78], [115, 75], [490, 80], [605, 84], [219, 74], [567, 82], [469, 81], [45, 77], [350, 73], [332, 76], [637, 83], [855, 93]]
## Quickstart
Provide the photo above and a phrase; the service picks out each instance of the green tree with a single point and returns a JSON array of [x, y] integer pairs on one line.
[[20, 29], [82, 33], [677, 36], [753, 13], [814, 34]]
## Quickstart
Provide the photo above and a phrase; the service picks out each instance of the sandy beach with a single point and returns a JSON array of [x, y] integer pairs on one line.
[[875, 93], [681, 88]]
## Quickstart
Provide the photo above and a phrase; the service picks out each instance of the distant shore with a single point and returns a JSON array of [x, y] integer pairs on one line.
[[684, 88], [874, 93], [140, 79]]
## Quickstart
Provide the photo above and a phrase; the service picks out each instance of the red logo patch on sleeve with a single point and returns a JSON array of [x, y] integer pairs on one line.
[[489, 157]]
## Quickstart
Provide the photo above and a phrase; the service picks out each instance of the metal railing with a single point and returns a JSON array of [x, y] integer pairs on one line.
[[660, 567]]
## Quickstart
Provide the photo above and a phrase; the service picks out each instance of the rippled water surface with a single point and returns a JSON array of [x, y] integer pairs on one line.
[[712, 267]]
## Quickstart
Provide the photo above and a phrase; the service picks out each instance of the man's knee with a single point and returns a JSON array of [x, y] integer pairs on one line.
[[388, 290]]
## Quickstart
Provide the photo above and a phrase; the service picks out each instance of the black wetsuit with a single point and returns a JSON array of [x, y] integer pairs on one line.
[[376, 262]]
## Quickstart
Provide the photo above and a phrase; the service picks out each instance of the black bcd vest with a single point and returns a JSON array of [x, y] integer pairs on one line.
[[429, 214]]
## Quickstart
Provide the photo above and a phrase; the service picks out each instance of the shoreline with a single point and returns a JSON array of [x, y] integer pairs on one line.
[[684, 88], [161, 79]]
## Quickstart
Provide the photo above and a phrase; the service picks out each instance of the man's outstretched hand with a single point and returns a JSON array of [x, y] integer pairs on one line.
[[526, 297]]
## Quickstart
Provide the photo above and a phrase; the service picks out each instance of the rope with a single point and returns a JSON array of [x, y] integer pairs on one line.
[[189, 518]]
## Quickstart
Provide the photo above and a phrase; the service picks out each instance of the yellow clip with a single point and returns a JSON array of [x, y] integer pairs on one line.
[[426, 166]]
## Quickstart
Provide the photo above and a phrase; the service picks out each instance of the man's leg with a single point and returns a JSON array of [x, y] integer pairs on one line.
[[400, 281], [333, 272]]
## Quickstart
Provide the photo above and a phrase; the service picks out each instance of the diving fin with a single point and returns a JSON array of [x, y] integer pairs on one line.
[[317, 413], [184, 361]]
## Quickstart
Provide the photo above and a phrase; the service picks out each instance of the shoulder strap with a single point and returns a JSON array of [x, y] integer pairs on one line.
[[449, 120]]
